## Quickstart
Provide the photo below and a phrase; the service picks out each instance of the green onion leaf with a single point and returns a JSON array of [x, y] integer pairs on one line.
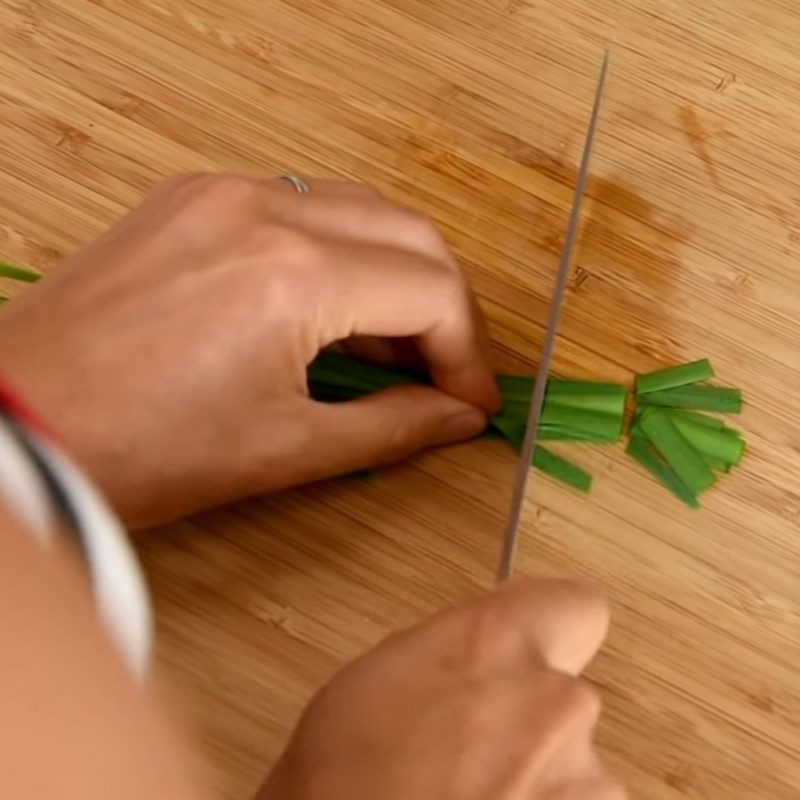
[[18, 273], [674, 376], [720, 444], [709, 398], [700, 419], [677, 451], [557, 467], [643, 452]]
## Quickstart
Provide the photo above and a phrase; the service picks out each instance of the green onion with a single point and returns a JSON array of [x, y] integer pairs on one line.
[[674, 376], [18, 273], [720, 444], [334, 376], [557, 467], [717, 463], [544, 459], [643, 452], [708, 398], [700, 419], [3, 299], [677, 451]]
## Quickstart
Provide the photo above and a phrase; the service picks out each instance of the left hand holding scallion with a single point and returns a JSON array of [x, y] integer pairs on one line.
[[170, 355]]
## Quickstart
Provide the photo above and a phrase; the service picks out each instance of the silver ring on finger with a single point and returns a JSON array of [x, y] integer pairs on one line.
[[300, 186]]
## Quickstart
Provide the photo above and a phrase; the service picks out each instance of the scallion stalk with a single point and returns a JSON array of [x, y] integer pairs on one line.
[[708, 398], [677, 451], [642, 451], [674, 376], [18, 273]]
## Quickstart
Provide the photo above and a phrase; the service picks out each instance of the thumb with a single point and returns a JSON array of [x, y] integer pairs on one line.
[[390, 425]]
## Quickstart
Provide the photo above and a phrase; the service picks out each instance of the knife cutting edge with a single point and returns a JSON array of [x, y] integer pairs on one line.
[[537, 402]]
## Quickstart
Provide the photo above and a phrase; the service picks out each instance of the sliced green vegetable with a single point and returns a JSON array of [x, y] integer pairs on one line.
[[599, 397], [513, 429], [334, 376], [700, 419], [677, 451], [674, 376], [710, 398], [643, 452], [557, 467], [544, 459], [3, 299], [556, 433], [717, 463], [18, 273], [720, 444], [599, 425]]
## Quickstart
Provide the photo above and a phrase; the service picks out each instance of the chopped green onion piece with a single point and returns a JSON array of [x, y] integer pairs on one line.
[[512, 428], [721, 444], [674, 376], [700, 419], [18, 273], [709, 398], [4, 299], [557, 467], [543, 459], [643, 452], [606, 427], [717, 463], [677, 451], [606, 397], [555, 433]]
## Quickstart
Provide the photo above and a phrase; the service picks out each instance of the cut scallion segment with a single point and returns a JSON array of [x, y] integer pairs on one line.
[[677, 451], [700, 419], [642, 451], [721, 444], [674, 376], [543, 459], [600, 425], [18, 273], [598, 397], [708, 398], [557, 467]]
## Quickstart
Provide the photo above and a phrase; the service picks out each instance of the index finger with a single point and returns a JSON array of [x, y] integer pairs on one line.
[[370, 290]]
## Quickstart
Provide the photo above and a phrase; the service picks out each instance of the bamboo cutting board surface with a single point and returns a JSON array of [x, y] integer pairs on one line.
[[474, 110]]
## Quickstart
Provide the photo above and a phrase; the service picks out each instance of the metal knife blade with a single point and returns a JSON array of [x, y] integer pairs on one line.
[[534, 415]]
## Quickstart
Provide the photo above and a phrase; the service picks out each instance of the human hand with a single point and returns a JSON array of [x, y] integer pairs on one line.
[[481, 703], [170, 355]]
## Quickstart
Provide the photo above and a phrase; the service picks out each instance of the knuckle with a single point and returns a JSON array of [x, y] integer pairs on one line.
[[293, 244], [418, 224], [488, 635], [368, 189], [581, 702], [295, 259], [229, 187], [420, 227]]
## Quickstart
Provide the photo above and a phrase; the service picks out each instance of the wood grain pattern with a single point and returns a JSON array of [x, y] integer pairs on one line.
[[474, 110]]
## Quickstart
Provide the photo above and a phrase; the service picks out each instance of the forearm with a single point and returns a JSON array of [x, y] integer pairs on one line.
[[75, 725]]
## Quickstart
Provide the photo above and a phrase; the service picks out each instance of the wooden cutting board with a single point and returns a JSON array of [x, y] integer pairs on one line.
[[474, 110]]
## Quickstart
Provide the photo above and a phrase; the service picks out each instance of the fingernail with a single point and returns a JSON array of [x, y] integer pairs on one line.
[[464, 425]]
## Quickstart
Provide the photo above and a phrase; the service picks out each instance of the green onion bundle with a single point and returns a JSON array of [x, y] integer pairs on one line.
[[577, 411], [678, 446]]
